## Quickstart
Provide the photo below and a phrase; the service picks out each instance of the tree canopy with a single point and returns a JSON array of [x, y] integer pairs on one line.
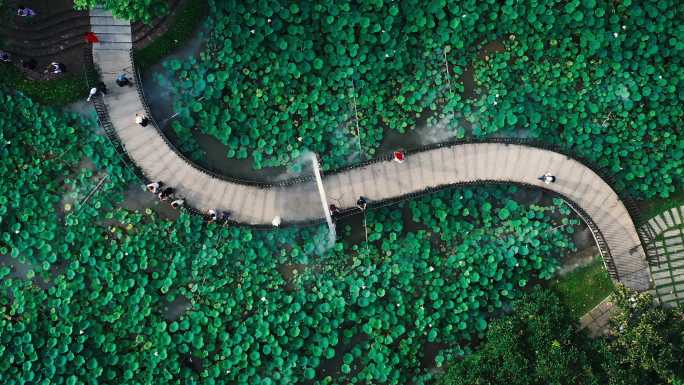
[[134, 10], [539, 343]]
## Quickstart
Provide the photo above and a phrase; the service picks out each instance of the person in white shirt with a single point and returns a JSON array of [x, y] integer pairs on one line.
[[547, 178], [141, 119], [153, 187], [93, 92]]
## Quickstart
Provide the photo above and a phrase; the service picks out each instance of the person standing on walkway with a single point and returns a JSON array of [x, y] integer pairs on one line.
[[122, 80], [5, 57], [141, 119], [165, 194], [91, 37], [93, 93], [334, 210], [177, 203], [154, 187], [547, 178], [102, 88], [362, 203], [212, 215], [398, 156], [55, 68], [25, 12]]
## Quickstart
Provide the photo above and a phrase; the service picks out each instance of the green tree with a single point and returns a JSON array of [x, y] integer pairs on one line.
[[134, 10], [537, 344], [649, 343]]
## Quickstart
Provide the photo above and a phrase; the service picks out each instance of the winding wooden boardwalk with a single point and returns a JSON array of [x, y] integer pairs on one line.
[[379, 181]]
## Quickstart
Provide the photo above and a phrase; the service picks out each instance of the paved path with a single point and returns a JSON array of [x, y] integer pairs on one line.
[[596, 319], [378, 181], [668, 274]]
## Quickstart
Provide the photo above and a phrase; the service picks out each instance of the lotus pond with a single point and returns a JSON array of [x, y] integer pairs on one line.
[[109, 294], [601, 79]]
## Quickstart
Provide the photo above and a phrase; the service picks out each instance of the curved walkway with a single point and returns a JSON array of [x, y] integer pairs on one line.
[[593, 198], [668, 273]]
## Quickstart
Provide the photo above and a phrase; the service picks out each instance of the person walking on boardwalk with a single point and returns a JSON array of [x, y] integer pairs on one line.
[[178, 203], [547, 178], [25, 12], [101, 87], [362, 203], [165, 193], [55, 68], [122, 80], [154, 187], [334, 210], [399, 156], [93, 93], [141, 119], [91, 38], [212, 215]]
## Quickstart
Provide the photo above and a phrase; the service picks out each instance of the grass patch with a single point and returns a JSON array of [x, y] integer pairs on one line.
[[188, 19], [64, 90], [652, 207], [584, 288]]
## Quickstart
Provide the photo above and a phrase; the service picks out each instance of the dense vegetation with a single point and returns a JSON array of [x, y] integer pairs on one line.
[[539, 344], [263, 307], [135, 10], [63, 90], [582, 289], [602, 79], [188, 18]]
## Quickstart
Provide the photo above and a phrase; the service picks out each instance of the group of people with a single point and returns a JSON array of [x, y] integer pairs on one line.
[[23, 11], [101, 88], [361, 204], [165, 194]]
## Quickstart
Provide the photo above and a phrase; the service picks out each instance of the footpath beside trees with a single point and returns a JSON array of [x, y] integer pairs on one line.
[[539, 343]]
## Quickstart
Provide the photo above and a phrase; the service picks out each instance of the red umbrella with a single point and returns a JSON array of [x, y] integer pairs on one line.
[[399, 156], [91, 37]]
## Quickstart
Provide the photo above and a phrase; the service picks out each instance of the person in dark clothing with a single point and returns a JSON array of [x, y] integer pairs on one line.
[[547, 178], [166, 193], [122, 80], [154, 187], [141, 119], [212, 215], [25, 12], [5, 57], [334, 211], [55, 68], [102, 87], [362, 203]]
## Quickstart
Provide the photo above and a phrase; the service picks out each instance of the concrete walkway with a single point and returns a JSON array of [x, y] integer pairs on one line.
[[596, 320], [147, 147]]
